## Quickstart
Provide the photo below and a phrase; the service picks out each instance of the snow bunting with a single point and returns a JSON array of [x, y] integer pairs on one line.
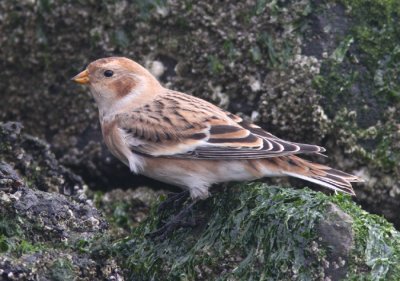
[[188, 142]]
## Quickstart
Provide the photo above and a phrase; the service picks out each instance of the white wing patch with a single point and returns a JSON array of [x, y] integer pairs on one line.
[[136, 162]]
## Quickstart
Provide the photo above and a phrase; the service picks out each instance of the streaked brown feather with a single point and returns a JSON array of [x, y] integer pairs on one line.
[[178, 124]]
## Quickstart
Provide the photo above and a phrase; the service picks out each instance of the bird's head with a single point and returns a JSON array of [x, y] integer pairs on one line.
[[116, 82]]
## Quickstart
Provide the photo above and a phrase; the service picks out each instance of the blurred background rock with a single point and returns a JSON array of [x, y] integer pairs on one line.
[[324, 72]]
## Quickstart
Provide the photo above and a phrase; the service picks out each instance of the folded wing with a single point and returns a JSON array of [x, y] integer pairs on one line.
[[181, 126]]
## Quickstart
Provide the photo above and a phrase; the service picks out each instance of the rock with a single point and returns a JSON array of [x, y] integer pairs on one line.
[[43, 233], [336, 235], [323, 72], [35, 163], [306, 70], [49, 229], [126, 209], [264, 231], [244, 231]]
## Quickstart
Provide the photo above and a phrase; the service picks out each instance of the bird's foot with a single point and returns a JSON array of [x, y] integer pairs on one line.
[[174, 200], [184, 218]]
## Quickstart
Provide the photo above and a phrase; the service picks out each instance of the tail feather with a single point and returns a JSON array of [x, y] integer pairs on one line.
[[322, 175]]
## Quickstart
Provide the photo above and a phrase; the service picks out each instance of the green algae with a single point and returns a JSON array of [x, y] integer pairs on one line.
[[17, 246], [237, 240], [233, 48], [336, 84], [245, 232], [214, 64], [340, 52], [360, 93], [374, 37], [376, 29], [13, 239], [62, 270], [256, 232], [377, 244]]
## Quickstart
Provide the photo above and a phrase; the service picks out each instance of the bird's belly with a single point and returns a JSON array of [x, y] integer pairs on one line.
[[188, 173]]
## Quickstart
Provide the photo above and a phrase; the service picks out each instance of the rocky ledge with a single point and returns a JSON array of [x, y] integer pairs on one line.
[[243, 232]]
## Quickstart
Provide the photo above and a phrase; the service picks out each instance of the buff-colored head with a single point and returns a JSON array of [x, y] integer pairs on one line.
[[116, 81]]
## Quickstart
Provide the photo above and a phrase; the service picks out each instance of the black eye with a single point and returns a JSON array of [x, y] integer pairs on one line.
[[108, 73]]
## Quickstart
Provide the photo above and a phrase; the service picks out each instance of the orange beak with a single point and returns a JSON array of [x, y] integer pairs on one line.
[[82, 78]]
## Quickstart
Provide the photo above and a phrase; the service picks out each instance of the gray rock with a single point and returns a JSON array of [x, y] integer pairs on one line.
[[323, 72], [43, 234], [336, 235]]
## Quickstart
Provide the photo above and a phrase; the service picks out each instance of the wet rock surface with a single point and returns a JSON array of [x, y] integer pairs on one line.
[[42, 230], [35, 163], [41, 235], [125, 209], [49, 229], [306, 70], [323, 72], [337, 235], [261, 230]]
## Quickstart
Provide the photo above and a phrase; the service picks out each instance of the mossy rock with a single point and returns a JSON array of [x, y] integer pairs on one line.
[[258, 232], [43, 233], [244, 232], [322, 71]]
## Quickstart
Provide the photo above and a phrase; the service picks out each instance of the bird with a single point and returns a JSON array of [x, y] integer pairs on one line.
[[188, 142]]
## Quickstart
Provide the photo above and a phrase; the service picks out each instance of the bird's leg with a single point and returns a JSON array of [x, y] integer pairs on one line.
[[184, 218], [174, 200]]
